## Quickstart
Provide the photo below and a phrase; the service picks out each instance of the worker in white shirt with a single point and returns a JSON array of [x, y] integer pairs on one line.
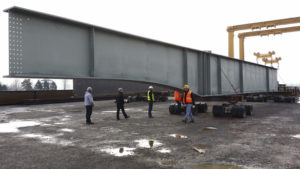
[[89, 104]]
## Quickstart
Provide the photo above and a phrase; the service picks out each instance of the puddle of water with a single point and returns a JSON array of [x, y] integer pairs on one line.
[[46, 125], [13, 126], [49, 139], [135, 110], [67, 130], [59, 123], [143, 143], [296, 136], [65, 119], [210, 166], [15, 110], [178, 136], [164, 150], [119, 152], [209, 128], [109, 111]]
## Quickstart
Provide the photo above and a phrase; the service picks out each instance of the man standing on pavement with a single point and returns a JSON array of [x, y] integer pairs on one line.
[[120, 104], [188, 100], [150, 97], [89, 104]]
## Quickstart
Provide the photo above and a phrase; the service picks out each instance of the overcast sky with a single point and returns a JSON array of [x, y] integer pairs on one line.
[[192, 23]]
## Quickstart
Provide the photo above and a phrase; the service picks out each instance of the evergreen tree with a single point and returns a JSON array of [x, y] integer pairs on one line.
[[26, 84], [38, 85], [53, 86], [46, 85]]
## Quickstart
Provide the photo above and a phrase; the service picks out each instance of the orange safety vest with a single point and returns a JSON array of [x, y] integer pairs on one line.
[[177, 96], [188, 97]]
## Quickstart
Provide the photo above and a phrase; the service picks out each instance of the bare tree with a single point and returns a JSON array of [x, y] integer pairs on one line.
[[16, 85]]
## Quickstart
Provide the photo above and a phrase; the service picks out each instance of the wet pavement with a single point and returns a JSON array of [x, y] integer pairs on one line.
[[56, 136]]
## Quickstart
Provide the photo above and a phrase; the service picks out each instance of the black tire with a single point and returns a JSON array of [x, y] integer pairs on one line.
[[202, 108], [249, 110], [218, 111], [265, 99], [172, 109], [249, 98], [276, 99], [238, 111]]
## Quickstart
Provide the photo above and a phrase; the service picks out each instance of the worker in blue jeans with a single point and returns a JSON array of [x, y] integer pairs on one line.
[[188, 100]]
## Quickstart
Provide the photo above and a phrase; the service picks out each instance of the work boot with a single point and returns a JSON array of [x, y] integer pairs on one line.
[[127, 117], [192, 121], [89, 123], [184, 121]]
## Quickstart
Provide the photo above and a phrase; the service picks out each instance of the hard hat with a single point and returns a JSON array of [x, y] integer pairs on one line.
[[150, 87], [186, 86], [120, 89], [89, 89]]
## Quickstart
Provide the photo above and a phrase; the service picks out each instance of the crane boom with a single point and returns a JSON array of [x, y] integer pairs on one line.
[[268, 32]]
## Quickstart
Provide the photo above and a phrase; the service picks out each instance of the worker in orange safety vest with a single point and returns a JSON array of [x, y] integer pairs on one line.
[[177, 98], [188, 100]]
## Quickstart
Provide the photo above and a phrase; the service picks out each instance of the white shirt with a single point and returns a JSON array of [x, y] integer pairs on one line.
[[88, 99]]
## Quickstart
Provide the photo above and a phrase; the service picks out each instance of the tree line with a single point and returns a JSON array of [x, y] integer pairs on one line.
[[27, 85]]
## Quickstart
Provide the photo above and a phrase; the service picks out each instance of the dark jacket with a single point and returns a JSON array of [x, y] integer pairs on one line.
[[120, 99], [193, 97]]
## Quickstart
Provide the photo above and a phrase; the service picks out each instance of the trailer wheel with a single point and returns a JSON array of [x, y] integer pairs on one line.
[[238, 111], [172, 109], [218, 110], [202, 108], [249, 109]]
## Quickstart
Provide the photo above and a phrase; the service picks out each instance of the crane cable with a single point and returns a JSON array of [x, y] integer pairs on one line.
[[226, 77]]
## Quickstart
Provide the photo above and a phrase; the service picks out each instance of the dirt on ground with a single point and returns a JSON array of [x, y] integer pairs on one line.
[[56, 136]]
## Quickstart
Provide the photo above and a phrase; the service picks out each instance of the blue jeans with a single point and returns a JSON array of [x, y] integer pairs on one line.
[[189, 111], [150, 109], [178, 107]]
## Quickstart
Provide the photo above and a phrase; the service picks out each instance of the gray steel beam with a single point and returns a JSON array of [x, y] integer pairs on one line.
[[208, 74], [219, 74], [47, 46], [241, 77], [268, 79], [200, 73], [184, 67]]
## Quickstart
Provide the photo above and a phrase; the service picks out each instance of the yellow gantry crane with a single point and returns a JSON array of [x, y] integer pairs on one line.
[[257, 25], [271, 61], [263, 56], [260, 56]]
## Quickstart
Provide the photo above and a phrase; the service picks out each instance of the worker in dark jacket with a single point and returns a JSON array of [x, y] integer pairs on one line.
[[189, 101], [120, 104]]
